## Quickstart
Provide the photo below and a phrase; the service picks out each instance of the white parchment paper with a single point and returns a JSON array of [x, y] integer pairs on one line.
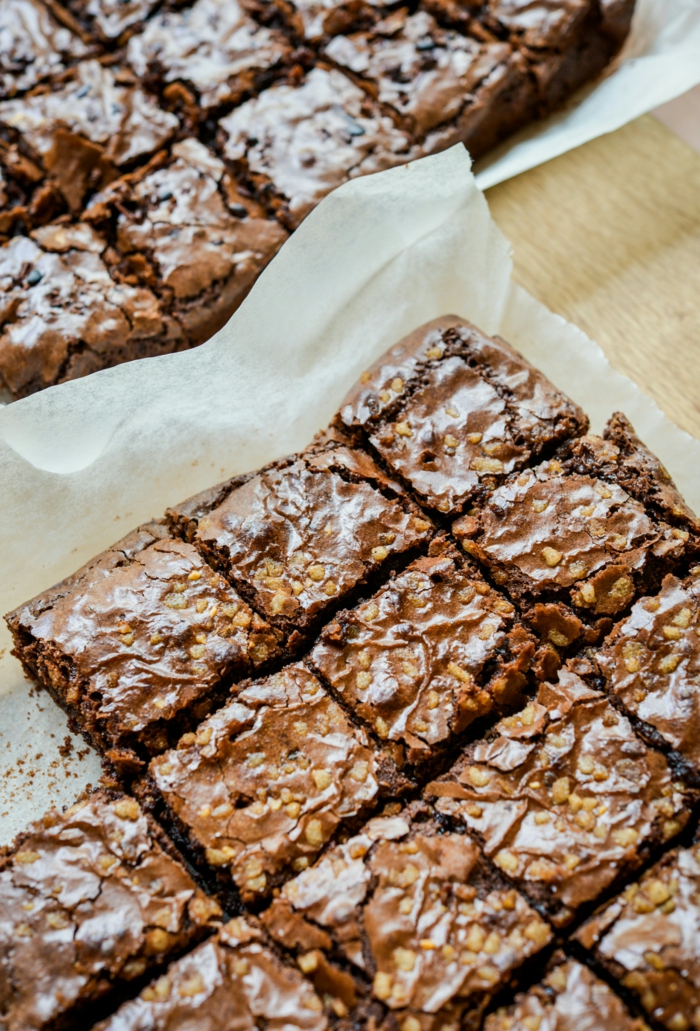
[[82, 463]]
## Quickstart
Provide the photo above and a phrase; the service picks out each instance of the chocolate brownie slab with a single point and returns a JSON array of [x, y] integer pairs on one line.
[[429, 653], [33, 45], [411, 917], [453, 411], [569, 998], [62, 315], [649, 940], [180, 227], [651, 662], [296, 143], [564, 796], [231, 981], [91, 900], [138, 640], [302, 535], [266, 781]]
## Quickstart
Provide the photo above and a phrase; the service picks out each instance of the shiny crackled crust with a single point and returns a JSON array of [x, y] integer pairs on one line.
[[433, 650], [267, 780], [453, 411], [411, 917], [302, 535], [564, 796], [648, 940], [141, 639], [109, 22], [90, 900], [33, 45]]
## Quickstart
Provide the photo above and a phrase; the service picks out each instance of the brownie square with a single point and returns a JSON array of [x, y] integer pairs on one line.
[[234, 981], [296, 143], [416, 917], [33, 45], [110, 22], [651, 662], [91, 900], [429, 653], [139, 640], [649, 940], [440, 85], [570, 996], [304, 534], [565, 798], [62, 315], [453, 411], [267, 780], [576, 538], [180, 227], [213, 47]]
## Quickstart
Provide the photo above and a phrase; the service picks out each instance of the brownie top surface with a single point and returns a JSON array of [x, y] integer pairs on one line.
[[417, 912], [411, 659], [32, 45], [310, 138], [425, 72], [571, 997], [304, 533], [147, 632], [122, 119], [267, 779], [318, 17], [233, 982], [652, 663], [453, 411], [111, 17], [649, 938], [565, 795], [87, 898], [540, 24], [208, 44]]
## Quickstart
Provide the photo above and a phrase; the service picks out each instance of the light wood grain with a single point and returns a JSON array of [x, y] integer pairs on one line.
[[608, 236]]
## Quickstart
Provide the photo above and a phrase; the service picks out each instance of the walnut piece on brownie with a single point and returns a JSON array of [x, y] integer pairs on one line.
[[433, 650], [453, 411], [303, 534], [91, 900], [564, 797], [139, 642], [420, 921], [266, 781]]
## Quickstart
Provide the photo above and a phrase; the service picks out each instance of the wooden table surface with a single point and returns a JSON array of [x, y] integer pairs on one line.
[[608, 236]]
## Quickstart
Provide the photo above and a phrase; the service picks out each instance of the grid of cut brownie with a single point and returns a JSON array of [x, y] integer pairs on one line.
[[437, 778], [193, 136]]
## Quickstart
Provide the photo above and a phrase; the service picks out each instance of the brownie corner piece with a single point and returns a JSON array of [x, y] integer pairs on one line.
[[265, 782], [92, 900], [140, 641], [565, 797], [453, 412]]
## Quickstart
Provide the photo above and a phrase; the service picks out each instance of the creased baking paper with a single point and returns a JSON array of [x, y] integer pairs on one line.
[[660, 61], [82, 463]]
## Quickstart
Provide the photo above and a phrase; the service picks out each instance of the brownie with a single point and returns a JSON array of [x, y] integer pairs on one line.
[[138, 640], [453, 411], [304, 534], [565, 798], [213, 47], [181, 227], [91, 900], [296, 143], [441, 86], [94, 121], [233, 981], [577, 537], [33, 45], [649, 940], [110, 21], [651, 662], [265, 781], [569, 998], [409, 916], [63, 316], [429, 653]]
